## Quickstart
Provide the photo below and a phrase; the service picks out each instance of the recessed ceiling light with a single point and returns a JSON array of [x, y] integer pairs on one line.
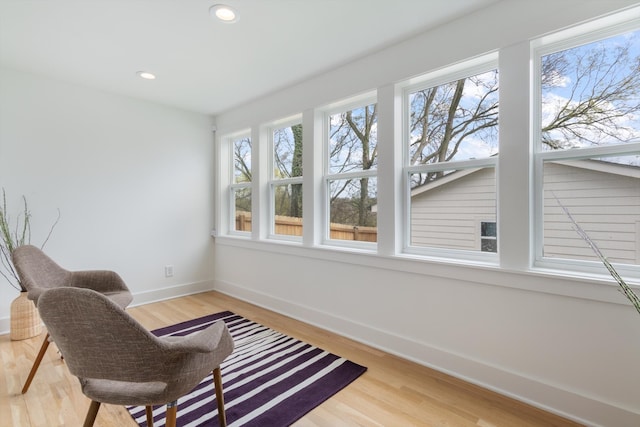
[[224, 13], [146, 75]]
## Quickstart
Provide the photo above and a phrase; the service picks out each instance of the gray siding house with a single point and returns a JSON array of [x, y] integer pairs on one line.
[[458, 211]]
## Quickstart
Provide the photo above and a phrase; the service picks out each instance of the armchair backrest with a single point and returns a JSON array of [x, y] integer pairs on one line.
[[36, 270], [99, 339]]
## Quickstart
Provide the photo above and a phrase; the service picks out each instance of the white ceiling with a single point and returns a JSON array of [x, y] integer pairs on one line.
[[203, 65]]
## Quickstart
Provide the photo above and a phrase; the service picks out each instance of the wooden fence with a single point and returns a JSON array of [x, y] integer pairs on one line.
[[291, 226]]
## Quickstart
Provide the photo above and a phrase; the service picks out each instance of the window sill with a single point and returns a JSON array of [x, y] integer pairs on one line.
[[563, 283]]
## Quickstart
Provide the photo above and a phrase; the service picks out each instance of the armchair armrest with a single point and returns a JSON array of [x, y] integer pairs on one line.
[[103, 281], [205, 341]]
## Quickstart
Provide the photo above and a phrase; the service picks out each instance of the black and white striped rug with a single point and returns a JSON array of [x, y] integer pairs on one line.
[[270, 379]]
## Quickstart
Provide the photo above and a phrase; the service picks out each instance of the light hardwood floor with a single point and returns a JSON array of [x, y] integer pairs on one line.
[[393, 392]]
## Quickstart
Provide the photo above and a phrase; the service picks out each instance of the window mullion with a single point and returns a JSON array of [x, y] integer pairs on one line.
[[260, 188], [513, 176], [312, 164]]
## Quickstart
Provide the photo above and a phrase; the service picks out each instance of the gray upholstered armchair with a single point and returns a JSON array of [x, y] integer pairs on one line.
[[38, 272], [119, 362]]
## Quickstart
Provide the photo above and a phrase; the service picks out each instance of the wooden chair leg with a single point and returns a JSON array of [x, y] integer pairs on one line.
[[36, 364], [149, 411], [172, 410], [217, 380], [91, 414]]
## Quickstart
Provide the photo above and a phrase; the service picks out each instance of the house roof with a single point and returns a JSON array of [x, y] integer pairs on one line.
[[632, 171]]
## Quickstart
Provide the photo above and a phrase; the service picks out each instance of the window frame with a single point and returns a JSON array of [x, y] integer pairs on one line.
[[471, 67], [364, 100], [273, 182], [592, 31], [483, 237], [235, 186], [568, 264]]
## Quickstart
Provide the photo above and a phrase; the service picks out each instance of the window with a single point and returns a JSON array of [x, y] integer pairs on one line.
[[351, 173], [583, 147], [488, 236], [241, 184], [451, 147], [286, 180], [588, 150]]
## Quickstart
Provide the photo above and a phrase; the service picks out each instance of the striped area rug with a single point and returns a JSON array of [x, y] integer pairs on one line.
[[269, 380]]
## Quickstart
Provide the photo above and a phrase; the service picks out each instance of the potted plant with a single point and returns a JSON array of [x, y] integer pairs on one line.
[[25, 321]]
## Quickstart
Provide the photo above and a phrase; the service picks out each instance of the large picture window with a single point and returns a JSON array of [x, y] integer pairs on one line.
[[588, 149], [451, 148]]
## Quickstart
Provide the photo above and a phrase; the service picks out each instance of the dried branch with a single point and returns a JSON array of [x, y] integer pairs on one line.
[[624, 288], [11, 239]]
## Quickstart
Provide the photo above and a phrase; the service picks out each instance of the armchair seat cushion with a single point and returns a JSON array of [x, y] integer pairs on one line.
[[125, 392], [121, 298]]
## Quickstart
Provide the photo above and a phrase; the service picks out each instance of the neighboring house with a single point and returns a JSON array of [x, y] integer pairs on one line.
[[450, 211], [458, 211]]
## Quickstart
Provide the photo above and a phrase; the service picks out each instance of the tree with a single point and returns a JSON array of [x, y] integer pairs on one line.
[[242, 159], [295, 209], [353, 147], [590, 96], [288, 164], [590, 93], [242, 173], [443, 118]]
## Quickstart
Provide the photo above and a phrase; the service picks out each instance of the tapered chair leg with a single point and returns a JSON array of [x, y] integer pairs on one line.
[[149, 411], [36, 364], [91, 414], [217, 380], [172, 410]]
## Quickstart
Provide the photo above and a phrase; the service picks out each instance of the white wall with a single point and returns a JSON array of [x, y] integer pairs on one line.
[[132, 180], [568, 345]]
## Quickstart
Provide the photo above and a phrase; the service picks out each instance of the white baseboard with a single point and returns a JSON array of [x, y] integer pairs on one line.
[[169, 292], [548, 397], [146, 297]]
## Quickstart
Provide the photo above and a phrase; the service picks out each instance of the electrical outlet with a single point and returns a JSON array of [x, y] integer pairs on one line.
[[168, 271]]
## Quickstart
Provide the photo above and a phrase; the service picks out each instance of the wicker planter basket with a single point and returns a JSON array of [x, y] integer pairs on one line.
[[25, 320]]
